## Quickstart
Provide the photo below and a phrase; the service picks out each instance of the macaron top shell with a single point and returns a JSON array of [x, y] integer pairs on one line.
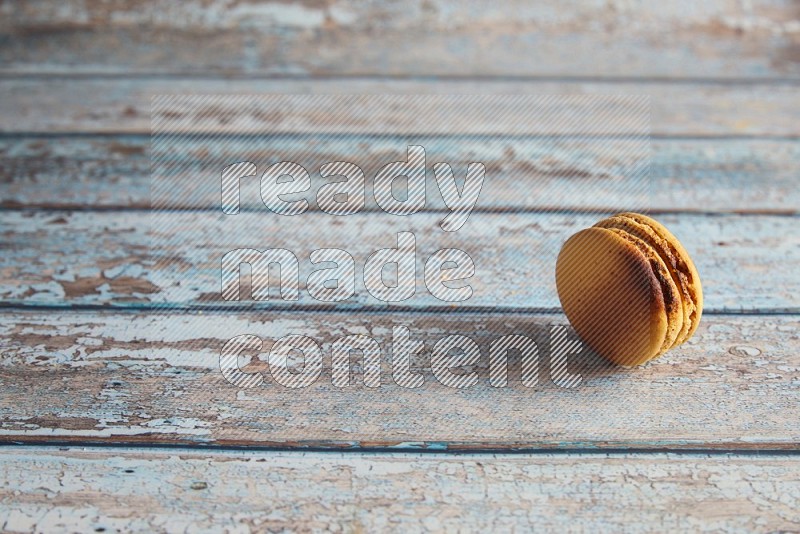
[[611, 296]]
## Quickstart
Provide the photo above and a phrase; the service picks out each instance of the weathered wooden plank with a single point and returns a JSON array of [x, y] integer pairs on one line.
[[75, 172], [174, 259], [714, 39], [144, 490], [123, 105], [686, 175], [155, 378]]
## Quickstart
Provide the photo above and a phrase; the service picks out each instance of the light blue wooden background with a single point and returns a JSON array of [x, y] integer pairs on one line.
[[104, 418]]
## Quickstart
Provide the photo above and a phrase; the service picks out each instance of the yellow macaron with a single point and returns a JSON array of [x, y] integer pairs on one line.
[[629, 288]]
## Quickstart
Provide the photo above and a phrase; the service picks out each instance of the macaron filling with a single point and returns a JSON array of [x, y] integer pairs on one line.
[[682, 267], [673, 305]]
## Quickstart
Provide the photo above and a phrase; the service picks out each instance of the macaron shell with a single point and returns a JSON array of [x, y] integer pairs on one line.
[[688, 275], [611, 296], [673, 303]]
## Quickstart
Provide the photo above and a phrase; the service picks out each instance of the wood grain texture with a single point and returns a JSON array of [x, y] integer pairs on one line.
[[713, 39], [741, 175], [123, 105], [143, 375], [174, 258], [141, 490], [155, 378]]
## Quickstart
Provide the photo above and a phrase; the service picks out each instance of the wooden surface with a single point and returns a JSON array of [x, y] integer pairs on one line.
[[55, 103], [114, 413], [90, 489], [123, 258], [722, 39], [124, 377], [738, 175]]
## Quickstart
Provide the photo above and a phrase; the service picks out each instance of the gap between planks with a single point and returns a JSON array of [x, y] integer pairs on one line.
[[533, 78], [406, 450], [189, 309]]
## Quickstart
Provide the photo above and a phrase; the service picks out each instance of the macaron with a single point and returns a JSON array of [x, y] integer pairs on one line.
[[629, 288]]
